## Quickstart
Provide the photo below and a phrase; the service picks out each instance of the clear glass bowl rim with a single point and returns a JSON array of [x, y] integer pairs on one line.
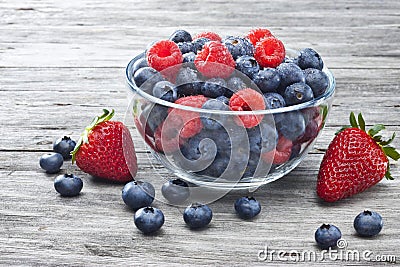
[[315, 102]]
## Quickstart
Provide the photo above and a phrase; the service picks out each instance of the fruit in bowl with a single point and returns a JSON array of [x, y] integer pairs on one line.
[[233, 112]]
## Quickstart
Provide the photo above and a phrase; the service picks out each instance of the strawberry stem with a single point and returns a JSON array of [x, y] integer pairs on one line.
[[84, 138]]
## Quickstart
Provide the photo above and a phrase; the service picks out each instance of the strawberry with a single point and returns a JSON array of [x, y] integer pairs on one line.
[[355, 161], [105, 149]]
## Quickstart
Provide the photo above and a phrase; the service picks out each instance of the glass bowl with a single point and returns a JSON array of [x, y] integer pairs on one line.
[[227, 154]]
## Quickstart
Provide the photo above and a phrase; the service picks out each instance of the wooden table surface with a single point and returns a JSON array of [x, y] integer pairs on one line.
[[61, 62]]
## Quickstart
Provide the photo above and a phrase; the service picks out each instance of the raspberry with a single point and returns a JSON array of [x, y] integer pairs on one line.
[[257, 35], [281, 153], [164, 54], [215, 60], [167, 139], [269, 52], [209, 35], [188, 123], [247, 100]]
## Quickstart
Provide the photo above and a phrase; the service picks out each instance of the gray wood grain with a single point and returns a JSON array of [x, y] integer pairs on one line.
[[62, 61]]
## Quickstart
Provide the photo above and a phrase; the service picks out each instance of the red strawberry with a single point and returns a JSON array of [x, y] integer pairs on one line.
[[355, 161], [106, 150]]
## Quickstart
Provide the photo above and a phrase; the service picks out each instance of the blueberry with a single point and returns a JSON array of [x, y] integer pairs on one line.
[[238, 46], [310, 132], [197, 215], [180, 36], [290, 60], [140, 63], [290, 124], [199, 43], [368, 223], [51, 162], [165, 91], [152, 116], [146, 77], [214, 87], [217, 167], [186, 47], [247, 65], [327, 236], [214, 121], [189, 57], [274, 100], [148, 219], [267, 80], [233, 85], [317, 80], [309, 58], [262, 138], [187, 81], [296, 149], [64, 145], [201, 146], [138, 194], [289, 73], [298, 93], [223, 99], [68, 185], [175, 191], [247, 207]]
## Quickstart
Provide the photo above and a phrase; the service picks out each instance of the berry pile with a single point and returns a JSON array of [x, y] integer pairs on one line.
[[235, 73]]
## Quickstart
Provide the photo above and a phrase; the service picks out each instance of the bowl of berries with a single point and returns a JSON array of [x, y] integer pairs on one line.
[[233, 112]]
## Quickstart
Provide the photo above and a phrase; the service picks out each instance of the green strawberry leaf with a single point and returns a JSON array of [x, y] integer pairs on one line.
[[84, 138], [353, 121], [388, 175], [391, 152], [342, 129], [361, 122], [385, 143], [376, 129]]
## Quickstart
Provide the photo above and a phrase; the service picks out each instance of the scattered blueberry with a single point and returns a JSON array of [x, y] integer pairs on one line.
[[165, 90], [289, 73], [197, 215], [327, 236], [317, 80], [138, 194], [149, 219], [64, 146], [247, 65], [214, 121], [298, 93], [51, 162], [267, 80], [180, 36], [274, 100], [175, 191], [290, 124], [140, 63], [214, 87], [247, 207], [238, 46], [68, 185], [368, 223], [309, 58]]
